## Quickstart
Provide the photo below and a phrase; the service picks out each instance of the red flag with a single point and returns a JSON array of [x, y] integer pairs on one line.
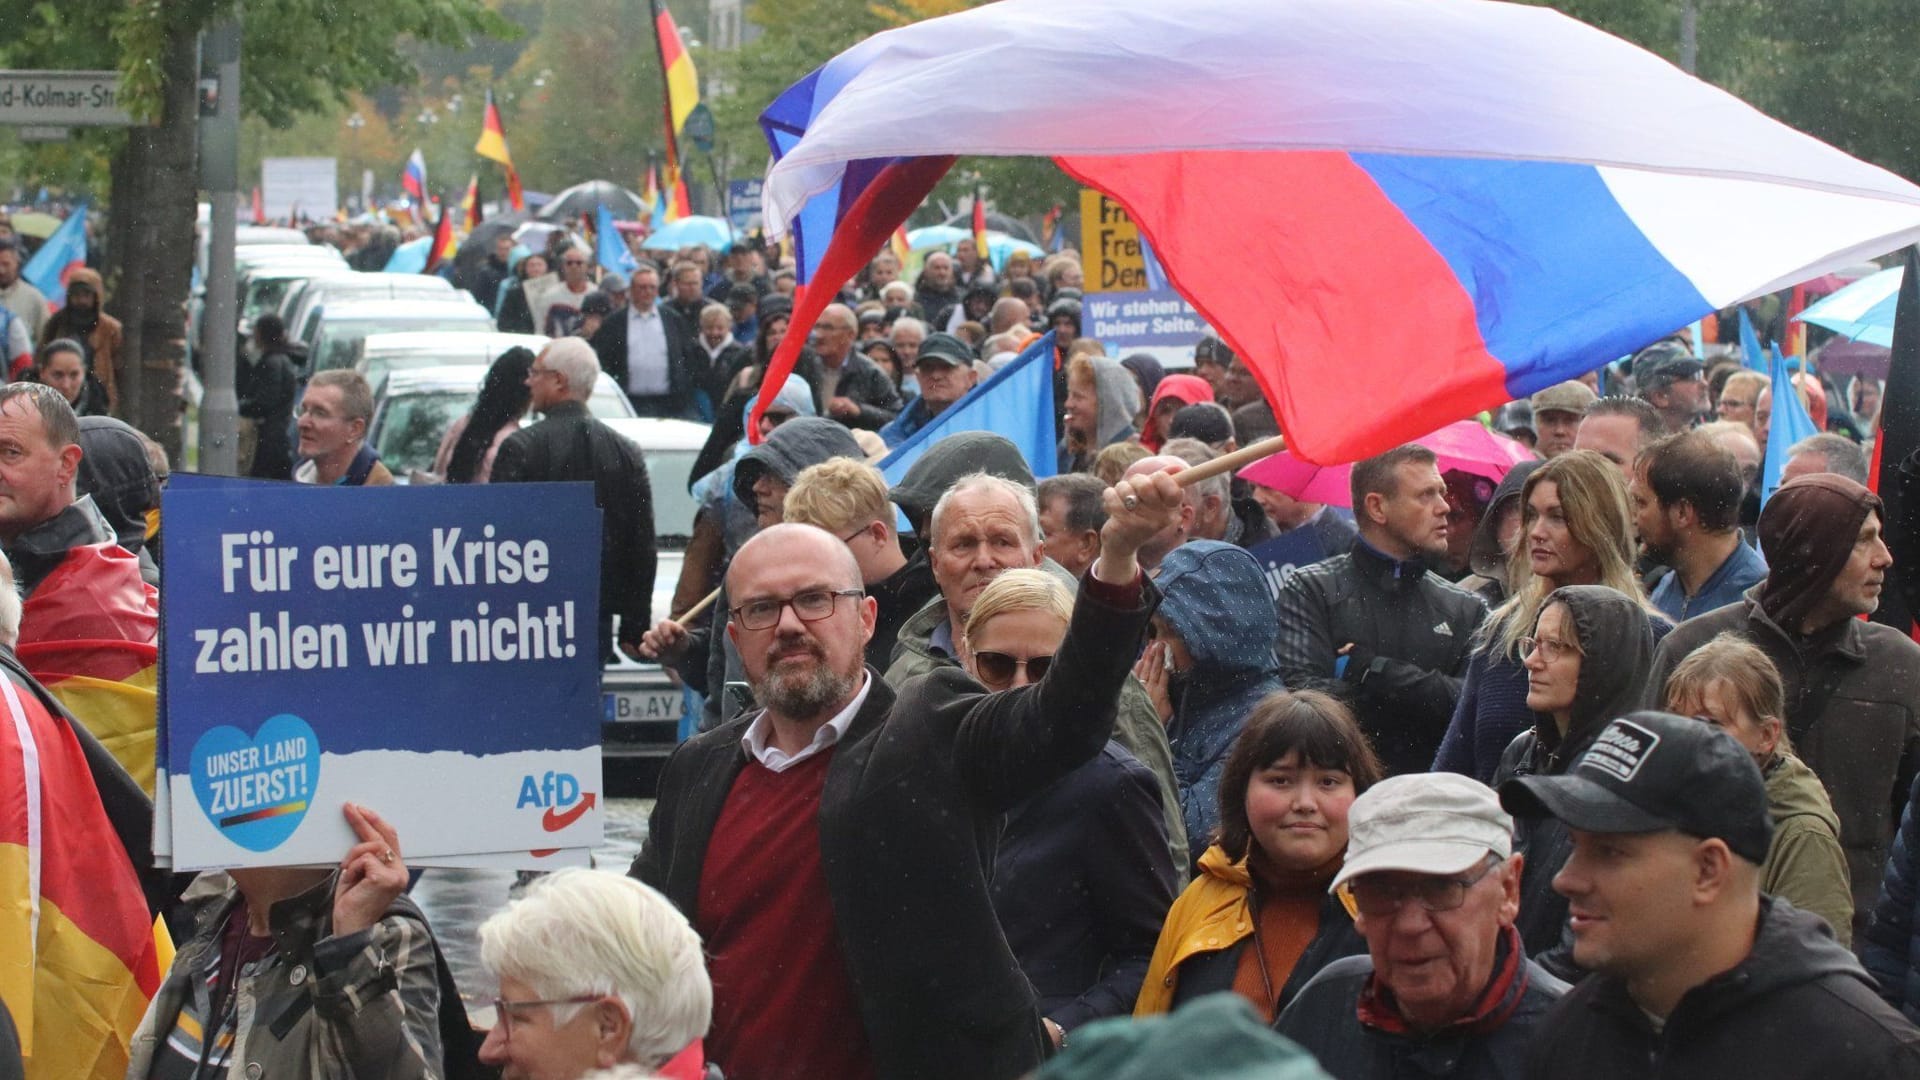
[[259, 207], [1048, 223]]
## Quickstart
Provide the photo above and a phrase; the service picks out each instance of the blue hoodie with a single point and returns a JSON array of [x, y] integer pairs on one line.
[[1215, 598]]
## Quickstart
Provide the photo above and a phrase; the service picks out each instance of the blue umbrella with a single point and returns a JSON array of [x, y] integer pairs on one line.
[[1862, 311], [936, 236], [410, 257], [712, 232]]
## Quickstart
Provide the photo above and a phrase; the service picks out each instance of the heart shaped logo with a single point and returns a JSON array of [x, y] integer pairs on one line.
[[256, 790]]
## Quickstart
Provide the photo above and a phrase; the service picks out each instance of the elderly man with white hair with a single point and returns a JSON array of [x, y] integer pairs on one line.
[[1445, 986], [596, 970], [571, 444]]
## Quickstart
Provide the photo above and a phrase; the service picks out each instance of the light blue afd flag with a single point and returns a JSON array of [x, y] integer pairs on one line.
[[64, 252], [1017, 403], [1789, 425], [611, 251], [1750, 354]]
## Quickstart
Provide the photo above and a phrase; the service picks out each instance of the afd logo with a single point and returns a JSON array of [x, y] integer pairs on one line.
[[559, 794]]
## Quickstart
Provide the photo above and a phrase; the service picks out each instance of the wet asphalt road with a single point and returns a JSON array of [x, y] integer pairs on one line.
[[458, 901]]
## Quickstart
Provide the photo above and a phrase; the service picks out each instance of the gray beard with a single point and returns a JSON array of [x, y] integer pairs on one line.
[[804, 697]]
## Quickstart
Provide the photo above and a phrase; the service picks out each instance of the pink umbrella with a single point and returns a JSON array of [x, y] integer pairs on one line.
[[1463, 445]]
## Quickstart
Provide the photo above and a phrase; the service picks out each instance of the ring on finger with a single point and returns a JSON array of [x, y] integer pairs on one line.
[[1131, 502], [386, 856]]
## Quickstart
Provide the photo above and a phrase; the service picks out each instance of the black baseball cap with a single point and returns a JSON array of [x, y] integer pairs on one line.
[[1663, 363], [1649, 772], [945, 348]]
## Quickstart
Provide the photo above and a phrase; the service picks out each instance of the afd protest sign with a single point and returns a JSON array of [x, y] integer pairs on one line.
[[743, 203], [429, 652], [1159, 323]]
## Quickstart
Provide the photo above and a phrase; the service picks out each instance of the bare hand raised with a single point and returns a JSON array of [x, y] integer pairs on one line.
[[1138, 509], [371, 876]]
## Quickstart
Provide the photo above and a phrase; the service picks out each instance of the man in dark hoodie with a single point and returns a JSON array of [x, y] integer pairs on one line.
[[1852, 686], [1591, 651], [115, 472], [1696, 973]]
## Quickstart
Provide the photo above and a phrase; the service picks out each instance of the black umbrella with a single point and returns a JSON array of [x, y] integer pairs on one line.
[[583, 198], [479, 243], [996, 222]]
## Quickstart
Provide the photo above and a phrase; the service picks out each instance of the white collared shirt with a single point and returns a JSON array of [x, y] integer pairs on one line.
[[647, 360], [777, 760]]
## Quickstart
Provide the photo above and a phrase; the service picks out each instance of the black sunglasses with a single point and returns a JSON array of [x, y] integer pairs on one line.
[[998, 669]]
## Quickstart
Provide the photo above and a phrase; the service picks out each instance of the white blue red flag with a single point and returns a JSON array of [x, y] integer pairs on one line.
[[414, 179], [1399, 211], [63, 253]]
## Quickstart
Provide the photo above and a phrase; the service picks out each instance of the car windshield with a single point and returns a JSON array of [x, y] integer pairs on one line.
[[266, 295], [340, 339]]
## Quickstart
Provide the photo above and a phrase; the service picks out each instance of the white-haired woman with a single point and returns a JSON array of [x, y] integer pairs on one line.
[[596, 971], [1083, 876]]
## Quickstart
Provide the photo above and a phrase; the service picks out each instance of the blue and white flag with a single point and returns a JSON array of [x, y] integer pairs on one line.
[[64, 252], [1790, 424], [1017, 402], [609, 249]]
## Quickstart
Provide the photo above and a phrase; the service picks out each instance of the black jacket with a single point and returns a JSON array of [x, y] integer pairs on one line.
[[907, 827], [898, 598], [266, 386], [1081, 883], [1412, 636], [868, 387], [1617, 642], [571, 445], [1326, 1019], [1853, 712], [1799, 1007], [516, 314], [683, 367]]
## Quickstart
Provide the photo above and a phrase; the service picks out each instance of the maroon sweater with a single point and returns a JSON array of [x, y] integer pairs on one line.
[[783, 1005]]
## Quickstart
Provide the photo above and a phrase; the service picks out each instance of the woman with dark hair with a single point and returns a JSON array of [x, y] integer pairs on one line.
[[516, 301], [467, 450], [62, 364], [1259, 920], [265, 384]]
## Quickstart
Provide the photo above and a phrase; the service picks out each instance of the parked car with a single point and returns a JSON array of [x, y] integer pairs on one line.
[[643, 711], [381, 354], [304, 302], [342, 327]]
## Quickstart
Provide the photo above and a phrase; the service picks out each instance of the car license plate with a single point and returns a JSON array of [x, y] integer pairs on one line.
[[640, 706]]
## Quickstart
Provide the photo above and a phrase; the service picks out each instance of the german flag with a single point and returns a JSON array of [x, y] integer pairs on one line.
[[901, 248], [682, 94], [493, 147], [89, 633], [80, 954], [470, 204], [444, 244]]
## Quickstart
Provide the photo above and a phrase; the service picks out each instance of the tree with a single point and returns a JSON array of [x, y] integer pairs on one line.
[[298, 56]]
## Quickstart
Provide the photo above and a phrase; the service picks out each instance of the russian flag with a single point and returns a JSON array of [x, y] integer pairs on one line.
[[1401, 212], [414, 179], [63, 253]]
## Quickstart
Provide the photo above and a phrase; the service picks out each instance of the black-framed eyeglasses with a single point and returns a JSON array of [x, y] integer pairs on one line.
[[1550, 649], [812, 606], [503, 1009], [1380, 898], [997, 669]]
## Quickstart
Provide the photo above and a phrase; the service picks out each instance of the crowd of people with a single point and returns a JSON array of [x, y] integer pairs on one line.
[[1595, 767]]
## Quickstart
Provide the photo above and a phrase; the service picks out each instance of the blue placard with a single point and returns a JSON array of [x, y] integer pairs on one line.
[[1125, 321], [431, 652], [743, 203]]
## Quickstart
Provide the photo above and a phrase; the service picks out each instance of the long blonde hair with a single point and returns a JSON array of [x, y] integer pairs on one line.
[[1594, 499]]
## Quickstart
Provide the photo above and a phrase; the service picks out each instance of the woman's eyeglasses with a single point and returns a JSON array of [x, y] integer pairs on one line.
[[998, 669]]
